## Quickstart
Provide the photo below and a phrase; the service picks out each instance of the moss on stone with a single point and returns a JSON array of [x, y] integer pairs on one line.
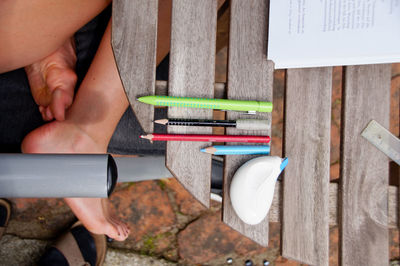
[[161, 184], [151, 242], [149, 245]]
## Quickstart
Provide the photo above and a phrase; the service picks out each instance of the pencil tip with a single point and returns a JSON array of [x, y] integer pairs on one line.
[[210, 150], [161, 121], [148, 136]]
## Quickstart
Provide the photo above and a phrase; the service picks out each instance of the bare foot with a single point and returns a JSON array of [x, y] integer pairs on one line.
[[52, 81], [96, 215], [60, 137], [66, 137]]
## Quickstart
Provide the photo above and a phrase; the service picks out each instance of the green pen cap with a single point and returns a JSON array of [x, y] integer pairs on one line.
[[265, 107], [219, 104]]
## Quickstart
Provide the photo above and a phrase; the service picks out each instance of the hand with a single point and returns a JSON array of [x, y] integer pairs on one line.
[[52, 81]]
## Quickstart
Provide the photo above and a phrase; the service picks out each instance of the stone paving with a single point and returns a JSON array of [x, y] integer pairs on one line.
[[168, 225], [18, 251]]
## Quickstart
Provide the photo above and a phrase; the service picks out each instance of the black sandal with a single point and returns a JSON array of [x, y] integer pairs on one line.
[[77, 247], [5, 212]]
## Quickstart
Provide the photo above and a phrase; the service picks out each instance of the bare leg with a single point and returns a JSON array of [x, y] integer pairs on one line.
[[37, 35], [88, 127], [32, 30]]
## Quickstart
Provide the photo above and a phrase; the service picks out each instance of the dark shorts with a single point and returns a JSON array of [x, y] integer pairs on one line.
[[19, 114]]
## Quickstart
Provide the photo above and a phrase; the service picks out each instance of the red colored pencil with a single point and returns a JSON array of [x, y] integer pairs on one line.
[[207, 138]]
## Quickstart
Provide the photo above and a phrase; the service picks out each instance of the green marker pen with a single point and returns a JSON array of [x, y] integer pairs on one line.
[[221, 104]]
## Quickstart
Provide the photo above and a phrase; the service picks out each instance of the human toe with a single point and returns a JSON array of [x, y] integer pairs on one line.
[[112, 232], [121, 226]]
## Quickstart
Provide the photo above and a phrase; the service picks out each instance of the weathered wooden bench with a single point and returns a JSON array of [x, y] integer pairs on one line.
[[306, 203]]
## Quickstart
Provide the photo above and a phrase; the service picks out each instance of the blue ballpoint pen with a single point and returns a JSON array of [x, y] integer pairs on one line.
[[237, 150]]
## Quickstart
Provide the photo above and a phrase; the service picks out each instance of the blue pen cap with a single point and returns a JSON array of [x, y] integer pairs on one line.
[[284, 163]]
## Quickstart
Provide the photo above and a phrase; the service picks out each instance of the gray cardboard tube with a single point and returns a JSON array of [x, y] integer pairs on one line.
[[133, 169], [56, 175]]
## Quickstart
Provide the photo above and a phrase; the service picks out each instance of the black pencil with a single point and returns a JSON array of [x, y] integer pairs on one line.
[[247, 124], [197, 122]]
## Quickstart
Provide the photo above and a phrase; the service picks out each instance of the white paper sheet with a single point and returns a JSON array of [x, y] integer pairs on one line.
[[311, 33]]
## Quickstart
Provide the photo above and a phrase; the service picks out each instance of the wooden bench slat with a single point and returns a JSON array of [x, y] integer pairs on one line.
[[134, 35], [276, 207], [364, 170], [250, 77], [275, 211], [306, 178], [192, 71]]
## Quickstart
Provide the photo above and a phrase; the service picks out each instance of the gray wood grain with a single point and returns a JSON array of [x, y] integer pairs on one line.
[[162, 89], [275, 211], [250, 77], [364, 170], [306, 178], [192, 71], [134, 34], [393, 207]]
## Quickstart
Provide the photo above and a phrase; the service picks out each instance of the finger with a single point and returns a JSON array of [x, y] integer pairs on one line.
[[60, 102], [42, 111], [61, 82], [47, 114], [61, 78]]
